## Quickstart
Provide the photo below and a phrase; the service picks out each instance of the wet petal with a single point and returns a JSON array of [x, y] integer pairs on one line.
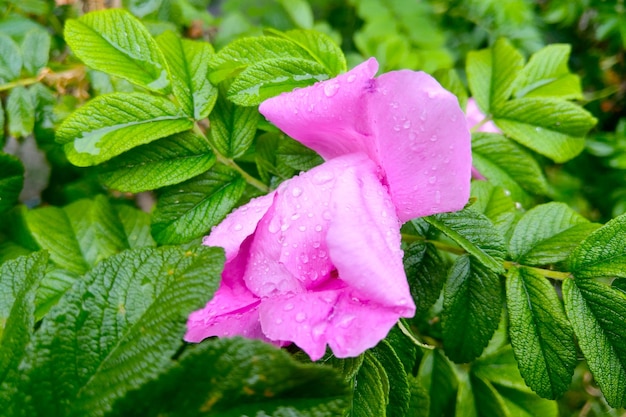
[[238, 225], [331, 116], [424, 143], [364, 240]]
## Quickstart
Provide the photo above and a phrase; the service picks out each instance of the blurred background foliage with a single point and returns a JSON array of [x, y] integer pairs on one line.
[[427, 35]]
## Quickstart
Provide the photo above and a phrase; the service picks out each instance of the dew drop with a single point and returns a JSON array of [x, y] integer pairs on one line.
[[318, 331], [284, 227], [518, 205], [304, 258], [432, 180], [274, 225], [433, 138], [412, 135], [288, 307], [437, 196], [407, 124], [321, 254], [296, 192], [322, 177], [330, 89], [396, 128], [302, 228], [315, 244], [237, 227], [278, 321], [351, 78], [326, 215], [507, 193], [295, 216], [394, 104], [318, 228], [300, 317], [423, 115]]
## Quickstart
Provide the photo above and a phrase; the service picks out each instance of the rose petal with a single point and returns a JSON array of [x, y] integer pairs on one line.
[[331, 116], [364, 240], [238, 225], [474, 116], [331, 317], [424, 144]]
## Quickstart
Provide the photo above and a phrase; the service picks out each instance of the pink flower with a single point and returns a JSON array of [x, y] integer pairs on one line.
[[318, 262], [474, 116]]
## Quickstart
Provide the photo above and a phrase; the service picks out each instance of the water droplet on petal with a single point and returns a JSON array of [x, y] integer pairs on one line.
[[284, 227], [433, 138], [296, 192], [330, 88], [315, 245], [351, 78], [322, 177], [432, 180], [295, 216], [407, 124], [288, 307], [326, 215], [412, 135], [318, 228], [437, 196], [302, 228], [304, 258], [300, 317], [394, 104], [396, 128], [318, 331], [278, 321], [237, 227]]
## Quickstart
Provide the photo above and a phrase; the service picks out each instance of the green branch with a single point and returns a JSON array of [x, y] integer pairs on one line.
[[232, 164], [446, 247]]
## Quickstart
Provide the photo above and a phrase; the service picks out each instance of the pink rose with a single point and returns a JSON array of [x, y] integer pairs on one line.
[[318, 262]]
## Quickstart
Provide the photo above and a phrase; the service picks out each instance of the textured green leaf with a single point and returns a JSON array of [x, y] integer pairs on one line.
[[10, 59], [495, 203], [167, 161], [603, 253], [239, 54], [347, 367], [437, 377], [475, 233], [112, 124], [547, 75], [542, 338], [78, 235], [426, 273], [491, 73], [19, 279], [547, 234], [189, 68], [399, 390], [552, 127], [472, 304], [598, 315], [236, 377], [371, 392], [116, 329], [296, 156], [11, 181], [269, 78], [35, 50], [233, 127], [54, 284], [320, 47], [508, 165], [115, 42], [189, 210], [20, 110]]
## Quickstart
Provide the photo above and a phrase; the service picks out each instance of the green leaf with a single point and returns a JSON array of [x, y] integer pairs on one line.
[[495, 203], [491, 73], [54, 284], [547, 75], [295, 155], [269, 78], [472, 304], [10, 59], [236, 377], [239, 54], [603, 253], [299, 12], [508, 165], [115, 42], [112, 124], [542, 338], [136, 226], [438, 379], [598, 315], [11, 181], [117, 328], [552, 127], [167, 161], [450, 80], [187, 211], [371, 392], [320, 47], [233, 127], [35, 50], [547, 234], [78, 235], [426, 273], [20, 109], [399, 390], [20, 278], [475, 233], [189, 68], [487, 400]]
